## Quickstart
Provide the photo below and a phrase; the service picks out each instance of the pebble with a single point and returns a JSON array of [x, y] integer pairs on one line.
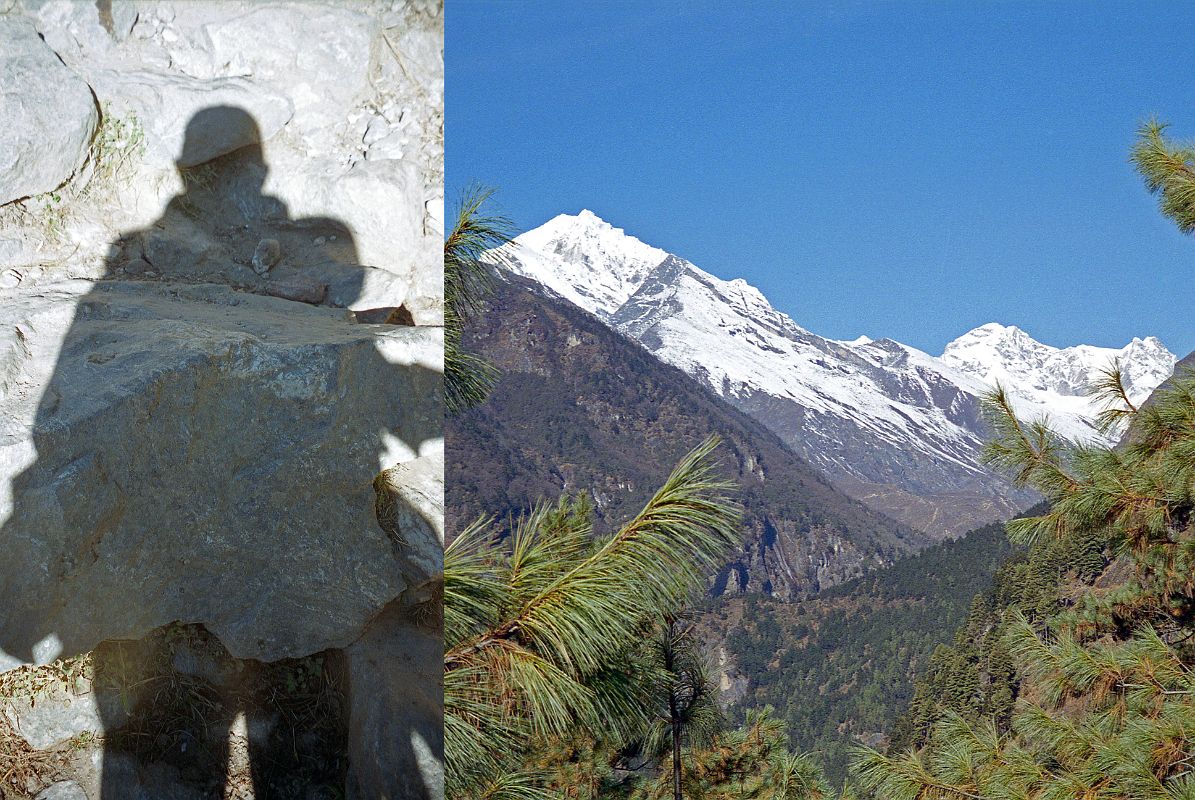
[[63, 790], [266, 255]]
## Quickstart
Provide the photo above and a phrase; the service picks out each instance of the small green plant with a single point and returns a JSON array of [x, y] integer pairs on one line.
[[115, 149], [197, 180], [118, 144], [53, 215], [32, 682], [199, 177]]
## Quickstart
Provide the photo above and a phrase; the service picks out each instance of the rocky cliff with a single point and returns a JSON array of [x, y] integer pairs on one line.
[[220, 355]]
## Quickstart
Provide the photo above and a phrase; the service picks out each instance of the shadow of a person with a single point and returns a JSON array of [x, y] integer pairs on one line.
[[88, 550]]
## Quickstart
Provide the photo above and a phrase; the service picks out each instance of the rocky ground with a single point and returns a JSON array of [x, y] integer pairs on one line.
[[220, 399]]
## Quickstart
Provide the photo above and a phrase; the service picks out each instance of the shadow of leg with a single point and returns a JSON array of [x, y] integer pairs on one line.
[[294, 727], [165, 723]]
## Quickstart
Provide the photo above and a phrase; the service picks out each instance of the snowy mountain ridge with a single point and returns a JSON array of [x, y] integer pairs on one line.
[[895, 426]]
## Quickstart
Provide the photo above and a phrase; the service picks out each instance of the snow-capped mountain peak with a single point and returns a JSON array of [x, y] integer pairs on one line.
[[585, 259], [1051, 375]]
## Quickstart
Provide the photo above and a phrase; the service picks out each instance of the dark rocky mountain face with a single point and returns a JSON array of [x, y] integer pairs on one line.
[[579, 407]]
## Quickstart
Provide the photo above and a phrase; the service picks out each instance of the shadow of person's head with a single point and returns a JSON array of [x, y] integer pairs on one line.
[[223, 167], [217, 130], [226, 227]]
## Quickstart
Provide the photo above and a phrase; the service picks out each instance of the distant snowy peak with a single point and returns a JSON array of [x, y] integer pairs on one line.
[[995, 352], [600, 268], [586, 260]]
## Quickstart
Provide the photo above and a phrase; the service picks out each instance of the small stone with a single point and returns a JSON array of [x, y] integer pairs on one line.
[[144, 29], [266, 255], [138, 266], [319, 241], [10, 279], [62, 790], [377, 129]]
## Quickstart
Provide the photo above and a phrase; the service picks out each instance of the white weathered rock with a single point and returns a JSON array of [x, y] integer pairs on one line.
[[319, 54], [373, 200], [49, 114], [167, 106], [411, 507], [418, 488], [82, 29], [192, 453]]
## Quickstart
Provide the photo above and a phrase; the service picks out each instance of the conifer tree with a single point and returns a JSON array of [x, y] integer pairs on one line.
[[688, 712], [543, 635], [1110, 711], [468, 378], [751, 762], [1169, 171]]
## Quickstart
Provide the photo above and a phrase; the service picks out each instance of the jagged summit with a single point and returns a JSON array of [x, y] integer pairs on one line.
[[1056, 375], [587, 260], [897, 426]]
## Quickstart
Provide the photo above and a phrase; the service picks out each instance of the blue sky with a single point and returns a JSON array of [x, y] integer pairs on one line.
[[900, 169]]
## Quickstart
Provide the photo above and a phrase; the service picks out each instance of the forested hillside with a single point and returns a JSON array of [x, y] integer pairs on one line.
[[975, 675], [840, 668]]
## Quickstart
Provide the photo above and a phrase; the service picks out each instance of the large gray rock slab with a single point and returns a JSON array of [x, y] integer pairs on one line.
[[396, 710], [49, 114], [191, 453]]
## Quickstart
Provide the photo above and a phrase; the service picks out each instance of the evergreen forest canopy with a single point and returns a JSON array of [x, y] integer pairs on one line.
[[572, 667], [839, 667]]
